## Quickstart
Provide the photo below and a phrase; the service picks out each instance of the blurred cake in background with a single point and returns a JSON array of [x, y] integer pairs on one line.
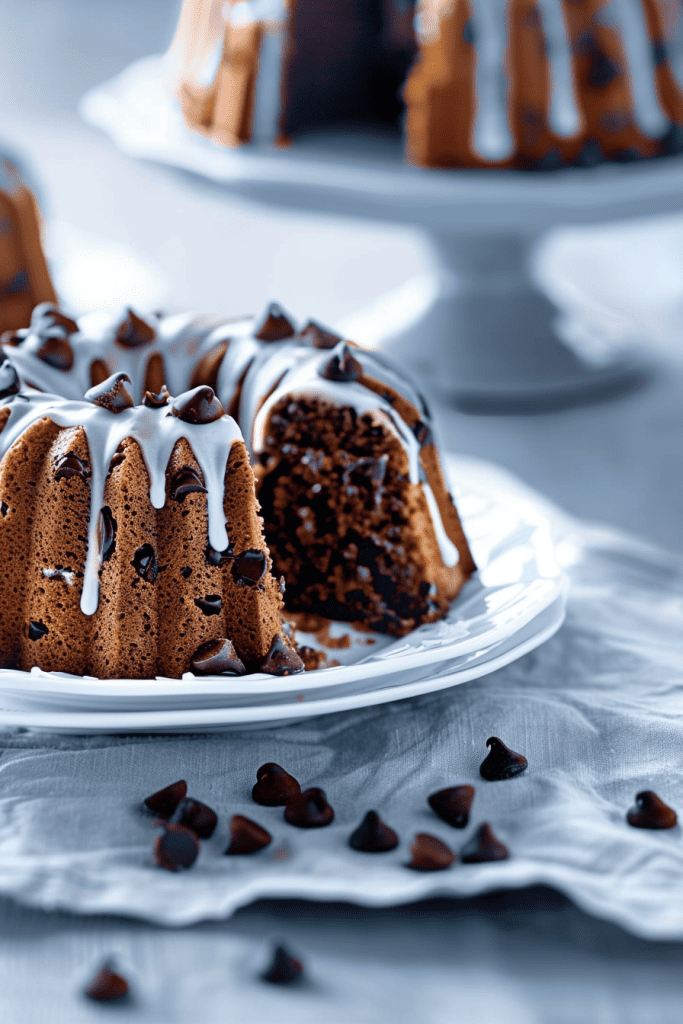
[[530, 84]]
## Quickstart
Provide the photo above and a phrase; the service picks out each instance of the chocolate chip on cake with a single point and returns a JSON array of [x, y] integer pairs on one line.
[[453, 804], [429, 854], [112, 394], [343, 367], [274, 325], [177, 849], [37, 630], [134, 331], [246, 836], [107, 985], [211, 604], [214, 557], [281, 660], [70, 465], [501, 762], [145, 563], [309, 809], [250, 567], [217, 658], [373, 835], [9, 379], [56, 352], [197, 406], [186, 481], [483, 846], [423, 434], [164, 802], [198, 817], [284, 968], [156, 400], [319, 337], [650, 811], [275, 787], [107, 530]]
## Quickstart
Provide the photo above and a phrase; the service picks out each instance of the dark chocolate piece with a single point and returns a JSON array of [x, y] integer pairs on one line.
[[246, 836], [650, 811], [112, 394], [108, 527], [145, 563], [177, 849], [164, 802], [483, 846], [36, 630], [134, 332], [319, 337], [156, 401], [211, 604], [281, 660], [274, 325], [197, 406], [343, 367], [501, 762], [47, 321], [602, 71], [275, 786], [198, 817], [107, 985], [99, 371], [56, 352], [423, 434], [373, 835], [217, 658], [214, 557], [284, 968], [70, 465], [309, 809], [429, 854], [453, 804], [250, 567], [9, 379], [186, 481]]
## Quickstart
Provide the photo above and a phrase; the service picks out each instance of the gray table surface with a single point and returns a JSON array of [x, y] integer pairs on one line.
[[525, 957]]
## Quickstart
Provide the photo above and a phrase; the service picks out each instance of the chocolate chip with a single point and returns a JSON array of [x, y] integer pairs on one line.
[[197, 406], [70, 465], [46, 320], [246, 836], [134, 332], [483, 846], [177, 849], [250, 567], [453, 804], [186, 572], [423, 434], [319, 337], [211, 604], [186, 481], [373, 835], [145, 563], [164, 802], [112, 394], [156, 401], [107, 985], [36, 630], [198, 817], [9, 379], [4, 508], [429, 854], [343, 367], [217, 658], [650, 811], [309, 809], [501, 762], [602, 71], [274, 325], [284, 968], [281, 660], [108, 527], [275, 786], [214, 557], [99, 371], [56, 352]]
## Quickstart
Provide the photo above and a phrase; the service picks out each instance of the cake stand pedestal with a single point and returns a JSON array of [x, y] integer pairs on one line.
[[479, 329]]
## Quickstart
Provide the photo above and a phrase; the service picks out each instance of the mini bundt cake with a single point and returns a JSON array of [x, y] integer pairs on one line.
[[357, 515]]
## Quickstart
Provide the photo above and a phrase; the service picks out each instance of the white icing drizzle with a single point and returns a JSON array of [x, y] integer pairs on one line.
[[448, 550], [630, 17], [268, 94], [565, 119], [491, 138]]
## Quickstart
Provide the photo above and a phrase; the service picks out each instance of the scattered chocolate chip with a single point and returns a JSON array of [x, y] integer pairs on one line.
[[156, 401], [429, 854], [9, 379], [186, 572], [275, 786], [4, 508], [246, 836], [217, 658], [107, 985], [284, 968], [650, 811], [309, 809], [164, 802], [483, 846], [423, 434], [56, 352], [99, 372], [453, 804], [214, 557], [70, 465], [602, 70], [343, 367], [46, 320], [133, 332], [274, 325], [176, 849], [198, 817], [112, 394], [197, 406], [319, 337], [108, 527], [373, 835], [281, 660], [250, 567], [145, 563], [186, 481], [211, 604], [36, 630], [501, 762]]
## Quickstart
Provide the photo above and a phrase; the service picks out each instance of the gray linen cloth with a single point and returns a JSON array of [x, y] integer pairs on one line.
[[597, 710]]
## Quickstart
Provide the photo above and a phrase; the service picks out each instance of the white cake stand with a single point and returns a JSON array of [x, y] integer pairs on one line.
[[478, 329]]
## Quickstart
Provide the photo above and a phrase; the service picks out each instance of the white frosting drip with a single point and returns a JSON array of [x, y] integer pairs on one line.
[[268, 93], [492, 138], [448, 550], [631, 19], [565, 119]]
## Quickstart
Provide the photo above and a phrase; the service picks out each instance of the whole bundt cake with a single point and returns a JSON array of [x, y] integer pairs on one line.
[[530, 84], [358, 518]]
